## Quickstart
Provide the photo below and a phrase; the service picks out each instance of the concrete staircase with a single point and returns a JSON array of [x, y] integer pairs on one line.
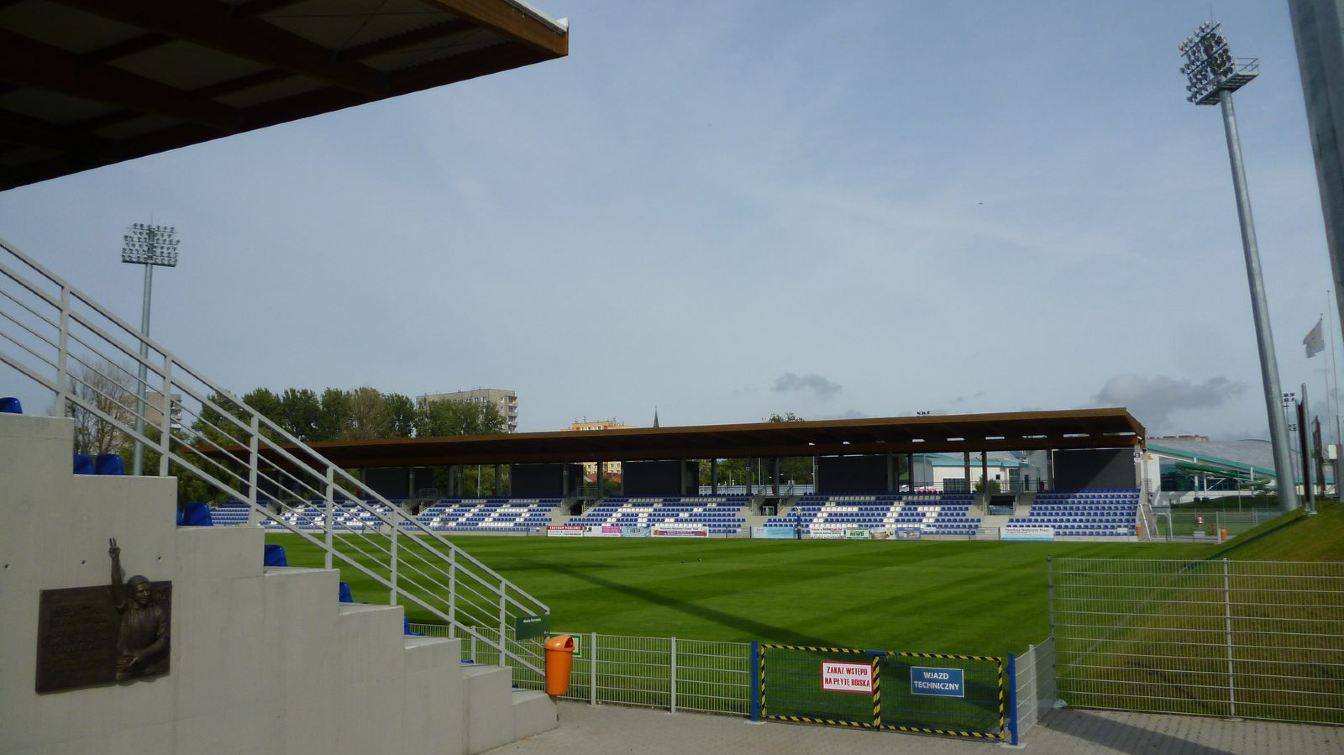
[[262, 659]]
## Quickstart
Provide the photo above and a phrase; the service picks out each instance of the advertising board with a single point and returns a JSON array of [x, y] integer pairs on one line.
[[679, 532], [1027, 533], [773, 533]]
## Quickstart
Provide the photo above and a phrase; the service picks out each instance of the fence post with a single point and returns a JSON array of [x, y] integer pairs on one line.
[[755, 680], [452, 593], [166, 419], [503, 620], [1227, 612], [253, 462], [1050, 590], [673, 707], [473, 648], [592, 670], [1012, 699], [331, 503], [396, 525], [64, 386], [877, 656]]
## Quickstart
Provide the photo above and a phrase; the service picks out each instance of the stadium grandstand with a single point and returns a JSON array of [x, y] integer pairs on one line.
[[88, 83], [1070, 475]]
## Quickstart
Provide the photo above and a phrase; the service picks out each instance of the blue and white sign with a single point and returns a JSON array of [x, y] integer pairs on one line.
[[938, 682]]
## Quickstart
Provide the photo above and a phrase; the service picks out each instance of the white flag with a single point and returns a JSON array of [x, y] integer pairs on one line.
[[1314, 342]]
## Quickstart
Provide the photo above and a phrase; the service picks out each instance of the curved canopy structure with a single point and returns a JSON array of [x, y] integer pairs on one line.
[[85, 83]]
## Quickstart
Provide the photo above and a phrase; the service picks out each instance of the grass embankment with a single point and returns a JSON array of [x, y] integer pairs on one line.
[[1294, 537]]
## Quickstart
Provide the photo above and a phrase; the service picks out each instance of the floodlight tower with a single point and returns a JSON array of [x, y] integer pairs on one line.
[[1213, 76], [148, 245]]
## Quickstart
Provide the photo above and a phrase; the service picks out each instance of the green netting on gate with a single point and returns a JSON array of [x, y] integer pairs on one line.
[[937, 693], [929, 693], [791, 685]]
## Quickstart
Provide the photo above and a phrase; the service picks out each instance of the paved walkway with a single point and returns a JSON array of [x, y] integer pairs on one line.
[[611, 729]]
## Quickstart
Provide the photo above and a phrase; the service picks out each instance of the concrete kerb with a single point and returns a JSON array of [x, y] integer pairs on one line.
[[610, 729]]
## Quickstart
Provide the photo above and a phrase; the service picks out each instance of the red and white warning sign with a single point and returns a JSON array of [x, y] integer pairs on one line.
[[847, 677]]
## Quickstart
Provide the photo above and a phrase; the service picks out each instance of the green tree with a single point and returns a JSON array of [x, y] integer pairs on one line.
[[400, 415], [300, 413], [367, 416], [437, 418], [334, 420]]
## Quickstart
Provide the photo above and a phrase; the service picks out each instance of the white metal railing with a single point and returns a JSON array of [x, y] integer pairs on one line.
[[707, 676], [90, 359]]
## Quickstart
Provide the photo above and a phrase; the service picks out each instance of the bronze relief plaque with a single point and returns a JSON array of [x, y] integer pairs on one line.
[[99, 635]]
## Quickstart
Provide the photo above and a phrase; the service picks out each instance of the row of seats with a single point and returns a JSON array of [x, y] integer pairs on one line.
[[931, 513], [719, 514], [350, 517], [487, 514], [1099, 512]]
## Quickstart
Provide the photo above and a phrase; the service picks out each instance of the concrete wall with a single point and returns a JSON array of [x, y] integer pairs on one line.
[[263, 661]]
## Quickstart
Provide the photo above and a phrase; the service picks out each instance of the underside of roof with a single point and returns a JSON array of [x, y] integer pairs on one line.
[[85, 83], [1018, 431]]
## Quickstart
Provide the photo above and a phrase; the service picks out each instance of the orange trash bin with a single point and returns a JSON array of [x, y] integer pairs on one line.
[[559, 662]]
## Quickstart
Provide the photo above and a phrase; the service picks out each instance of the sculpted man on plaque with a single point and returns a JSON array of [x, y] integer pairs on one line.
[[142, 640]]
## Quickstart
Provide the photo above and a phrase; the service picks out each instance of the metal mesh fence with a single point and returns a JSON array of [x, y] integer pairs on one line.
[[938, 693], [1035, 680], [1203, 523], [657, 672], [1251, 639], [929, 693], [821, 685]]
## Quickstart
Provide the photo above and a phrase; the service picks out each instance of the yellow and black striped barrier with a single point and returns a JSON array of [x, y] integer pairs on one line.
[[851, 717]]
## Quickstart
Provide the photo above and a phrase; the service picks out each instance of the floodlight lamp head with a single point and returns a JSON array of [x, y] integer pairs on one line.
[[145, 244]]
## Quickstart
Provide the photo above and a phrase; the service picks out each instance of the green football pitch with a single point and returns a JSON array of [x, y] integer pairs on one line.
[[960, 597]]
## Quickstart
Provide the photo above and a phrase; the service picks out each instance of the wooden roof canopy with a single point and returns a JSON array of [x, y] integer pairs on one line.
[[1017, 431], [85, 83]]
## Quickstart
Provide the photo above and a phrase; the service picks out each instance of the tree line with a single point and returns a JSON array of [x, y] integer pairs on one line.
[[365, 413]]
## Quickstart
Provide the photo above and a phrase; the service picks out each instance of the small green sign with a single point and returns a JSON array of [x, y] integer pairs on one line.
[[527, 627]]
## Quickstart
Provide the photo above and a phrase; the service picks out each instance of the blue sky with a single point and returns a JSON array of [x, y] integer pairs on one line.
[[728, 209]]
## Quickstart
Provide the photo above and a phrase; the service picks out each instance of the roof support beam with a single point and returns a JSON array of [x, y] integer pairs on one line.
[[511, 21], [25, 61], [258, 7], [21, 129], [127, 48], [403, 41], [211, 24]]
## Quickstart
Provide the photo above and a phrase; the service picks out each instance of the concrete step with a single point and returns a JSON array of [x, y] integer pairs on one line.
[[372, 676], [300, 656], [533, 713], [488, 709], [219, 566], [432, 709]]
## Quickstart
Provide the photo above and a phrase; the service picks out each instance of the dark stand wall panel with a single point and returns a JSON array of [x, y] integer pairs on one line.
[[1101, 468], [388, 482], [660, 478], [851, 474], [544, 480]]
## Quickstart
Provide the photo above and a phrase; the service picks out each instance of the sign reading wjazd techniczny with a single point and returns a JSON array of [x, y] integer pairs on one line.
[[846, 677], [937, 682]]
